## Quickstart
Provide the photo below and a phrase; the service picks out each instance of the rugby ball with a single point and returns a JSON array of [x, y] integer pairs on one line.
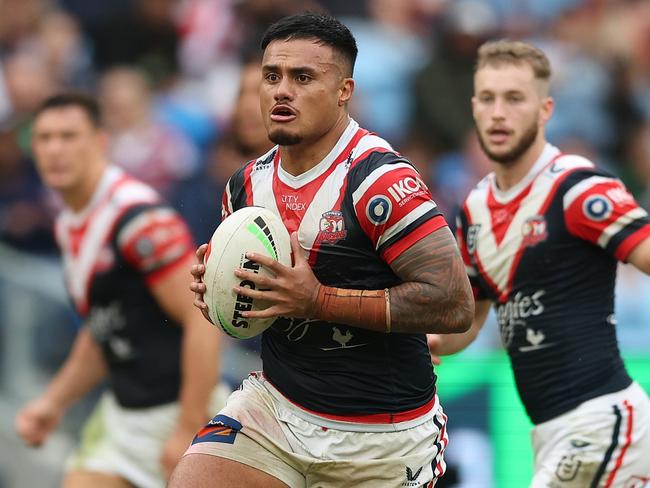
[[250, 229]]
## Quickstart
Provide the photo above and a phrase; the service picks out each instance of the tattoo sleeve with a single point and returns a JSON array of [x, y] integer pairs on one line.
[[435, 296]]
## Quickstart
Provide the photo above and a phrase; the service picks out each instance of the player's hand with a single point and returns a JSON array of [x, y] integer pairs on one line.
[[293, 290], [174, 448], [197, 285], [434, 341], [37, 420]]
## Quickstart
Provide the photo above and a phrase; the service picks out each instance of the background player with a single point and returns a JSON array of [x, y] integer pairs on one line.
[[126, 255], [541, 237], [347, 395]]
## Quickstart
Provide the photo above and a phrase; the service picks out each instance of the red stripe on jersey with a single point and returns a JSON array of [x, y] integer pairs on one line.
[[225, 205], [402, 203], [590, 228], [395, 250], [628, 245], [501, 214], [628, 441], [345, 154], [479, 265], [153, 241], [248, 185]]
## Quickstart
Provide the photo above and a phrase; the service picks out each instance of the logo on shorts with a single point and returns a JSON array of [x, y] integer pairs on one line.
[[568, 467], [331, 228], [220, 429], [411, 477]]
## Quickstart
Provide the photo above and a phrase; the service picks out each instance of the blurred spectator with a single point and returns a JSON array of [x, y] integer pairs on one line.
[[25, 219], [443, 89], [150, 150], [383, 102], [144, 35], [199, 198], [18, 22]]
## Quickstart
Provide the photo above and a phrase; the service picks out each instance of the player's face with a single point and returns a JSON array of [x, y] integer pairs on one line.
[[509, 110], [304, 90], [65, 145]]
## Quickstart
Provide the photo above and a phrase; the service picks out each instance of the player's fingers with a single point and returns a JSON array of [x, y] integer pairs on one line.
[[297, 251], [197, 270], [200, 252], [198, 287], [272, 311], [251, 292], [262, 281], [266, 261]]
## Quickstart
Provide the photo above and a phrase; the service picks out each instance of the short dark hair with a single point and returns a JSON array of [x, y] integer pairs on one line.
[[325, 28], [84, 101]]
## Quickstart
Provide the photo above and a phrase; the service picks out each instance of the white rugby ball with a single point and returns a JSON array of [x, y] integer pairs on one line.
[[250, 229]]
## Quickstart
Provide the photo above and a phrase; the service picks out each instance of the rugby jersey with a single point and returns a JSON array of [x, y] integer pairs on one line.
[[355, 212], [545, 252]]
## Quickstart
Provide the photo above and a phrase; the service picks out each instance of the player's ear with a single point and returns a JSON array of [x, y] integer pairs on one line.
[[546, 111], [345, 91]]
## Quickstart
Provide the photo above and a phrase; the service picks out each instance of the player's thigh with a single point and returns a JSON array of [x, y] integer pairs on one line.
[[202, 471], [85, 479]]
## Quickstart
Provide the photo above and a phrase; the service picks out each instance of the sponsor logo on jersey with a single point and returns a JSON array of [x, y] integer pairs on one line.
[[221, 428], [620, 196], [472, 237], [379, 209], [534, 231], [331, 228], [291, 203], [411, 477], [597, 207], [515, 312], [406, 189]]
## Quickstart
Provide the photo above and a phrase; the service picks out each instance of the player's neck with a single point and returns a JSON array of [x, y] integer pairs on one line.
[[79, 196], [300, 158], [509, 174]]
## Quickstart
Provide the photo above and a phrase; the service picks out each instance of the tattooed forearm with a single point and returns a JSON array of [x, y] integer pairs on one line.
[[436, 296]]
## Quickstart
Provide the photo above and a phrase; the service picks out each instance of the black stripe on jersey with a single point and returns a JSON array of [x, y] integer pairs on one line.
[[409, 228], [237, 188], [624, 233], [610, 450], [374, 160]]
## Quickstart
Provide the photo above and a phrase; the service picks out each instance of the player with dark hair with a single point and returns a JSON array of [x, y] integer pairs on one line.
[[347, 396], [125, 256], [541, 237]]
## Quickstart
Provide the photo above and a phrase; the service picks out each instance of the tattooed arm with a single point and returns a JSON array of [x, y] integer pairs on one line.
[[436, 296]]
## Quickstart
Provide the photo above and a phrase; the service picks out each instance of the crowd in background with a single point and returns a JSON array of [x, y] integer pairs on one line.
[[177, 83]]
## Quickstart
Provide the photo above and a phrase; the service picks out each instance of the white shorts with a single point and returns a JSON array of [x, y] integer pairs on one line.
[[128, 442], [261, 428], [604, 442]]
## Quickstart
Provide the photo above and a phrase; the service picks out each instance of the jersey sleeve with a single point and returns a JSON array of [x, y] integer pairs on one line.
[[599, 209], [463, 238], [395, 208], [154, 240]]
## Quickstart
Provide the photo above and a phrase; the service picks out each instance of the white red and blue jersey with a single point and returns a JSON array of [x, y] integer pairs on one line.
[[545, 252], [355, 212], [122, 243]]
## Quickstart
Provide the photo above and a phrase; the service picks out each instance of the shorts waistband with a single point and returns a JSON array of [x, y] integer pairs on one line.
[[379, 422]]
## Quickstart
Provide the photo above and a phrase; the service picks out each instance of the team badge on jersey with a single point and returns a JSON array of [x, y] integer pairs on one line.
[[472, 237], [597, 208], [534, 230], [331, 228], [379, 209]]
